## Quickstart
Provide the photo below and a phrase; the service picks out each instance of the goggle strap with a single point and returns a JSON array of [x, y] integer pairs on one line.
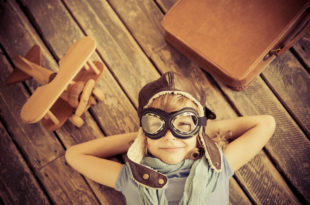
[[202, 121]]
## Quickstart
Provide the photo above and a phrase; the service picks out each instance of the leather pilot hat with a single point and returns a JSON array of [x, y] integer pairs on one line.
[[170, 83]]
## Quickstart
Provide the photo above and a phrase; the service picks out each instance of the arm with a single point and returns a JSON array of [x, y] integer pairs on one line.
[[250, 135], [89, 158]]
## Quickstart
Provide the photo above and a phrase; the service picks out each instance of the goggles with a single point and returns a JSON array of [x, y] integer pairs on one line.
[[183, 124]]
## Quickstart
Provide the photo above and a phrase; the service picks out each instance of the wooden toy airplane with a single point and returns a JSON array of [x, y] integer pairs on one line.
[[64, 95]]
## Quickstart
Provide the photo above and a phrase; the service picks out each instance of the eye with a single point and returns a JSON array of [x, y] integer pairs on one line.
[[185, 126], [185, 122]]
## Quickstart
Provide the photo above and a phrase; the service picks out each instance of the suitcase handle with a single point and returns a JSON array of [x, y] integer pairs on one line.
[[291, 38]]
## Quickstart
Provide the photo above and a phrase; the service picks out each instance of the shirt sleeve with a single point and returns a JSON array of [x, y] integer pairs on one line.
[[227, 169], [122, 178]]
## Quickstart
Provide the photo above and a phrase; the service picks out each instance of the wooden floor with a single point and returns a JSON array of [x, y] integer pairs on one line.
[[130, 42]]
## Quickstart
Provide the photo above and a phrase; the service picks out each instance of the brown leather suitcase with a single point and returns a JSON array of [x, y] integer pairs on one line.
[[235, 40]]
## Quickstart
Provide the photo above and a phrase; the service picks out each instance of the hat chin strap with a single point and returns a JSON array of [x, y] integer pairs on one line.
[[212, 151]]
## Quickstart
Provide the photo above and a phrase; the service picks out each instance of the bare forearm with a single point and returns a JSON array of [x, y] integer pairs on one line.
[[251, 141], [236, 126], [90, 158], [104, 147]]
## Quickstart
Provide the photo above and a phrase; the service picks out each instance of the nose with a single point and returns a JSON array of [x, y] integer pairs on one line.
[[169, 136]]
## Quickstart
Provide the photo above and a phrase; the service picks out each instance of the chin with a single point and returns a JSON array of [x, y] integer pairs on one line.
[[171, 160]]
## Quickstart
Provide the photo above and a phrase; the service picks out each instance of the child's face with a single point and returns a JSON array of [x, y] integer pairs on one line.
[[170, 149]]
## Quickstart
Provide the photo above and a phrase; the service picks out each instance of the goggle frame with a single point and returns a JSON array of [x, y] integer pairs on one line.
[[168, 125]]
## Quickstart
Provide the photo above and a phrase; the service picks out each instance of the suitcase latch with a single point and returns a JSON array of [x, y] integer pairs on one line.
[[271, 53]]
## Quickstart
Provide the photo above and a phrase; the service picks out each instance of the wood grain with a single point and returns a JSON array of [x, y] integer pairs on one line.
[[14, 38], [266, 192], [240, 198], [65, 185], [302, 47], [18, 184], [291, 83], [166, 4], [115, 45]]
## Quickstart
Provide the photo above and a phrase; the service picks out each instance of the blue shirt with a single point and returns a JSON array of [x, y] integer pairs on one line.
[[176, 182]]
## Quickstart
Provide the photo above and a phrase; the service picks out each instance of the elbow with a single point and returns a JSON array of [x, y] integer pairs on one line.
[[70, 154], [270, 124]]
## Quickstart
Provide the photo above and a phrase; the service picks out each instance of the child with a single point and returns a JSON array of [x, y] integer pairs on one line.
[[172, 159]]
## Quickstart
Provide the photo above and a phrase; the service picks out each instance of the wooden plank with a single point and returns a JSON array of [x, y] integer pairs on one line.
[[165, 5], [68, 134], [111, 196], [302, 48], [291, 83], [4, 196], [145, 15], [266, 192], [16, 41], [65, 185], [18, 184], [115, 45], [239, 198]]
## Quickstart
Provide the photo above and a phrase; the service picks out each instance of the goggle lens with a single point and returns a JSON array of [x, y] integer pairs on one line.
[[152, 124]]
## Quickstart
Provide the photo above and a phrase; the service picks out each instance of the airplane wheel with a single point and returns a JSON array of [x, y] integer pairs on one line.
[[77, 120], [98, 94]]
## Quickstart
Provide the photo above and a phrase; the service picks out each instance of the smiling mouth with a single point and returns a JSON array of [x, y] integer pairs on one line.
[[171, 149]]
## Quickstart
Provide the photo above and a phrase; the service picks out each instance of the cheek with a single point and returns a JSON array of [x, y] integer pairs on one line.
[[191, 143], [151, 145]]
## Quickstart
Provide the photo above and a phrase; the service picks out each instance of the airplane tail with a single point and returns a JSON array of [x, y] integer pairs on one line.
[[33, 55]]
